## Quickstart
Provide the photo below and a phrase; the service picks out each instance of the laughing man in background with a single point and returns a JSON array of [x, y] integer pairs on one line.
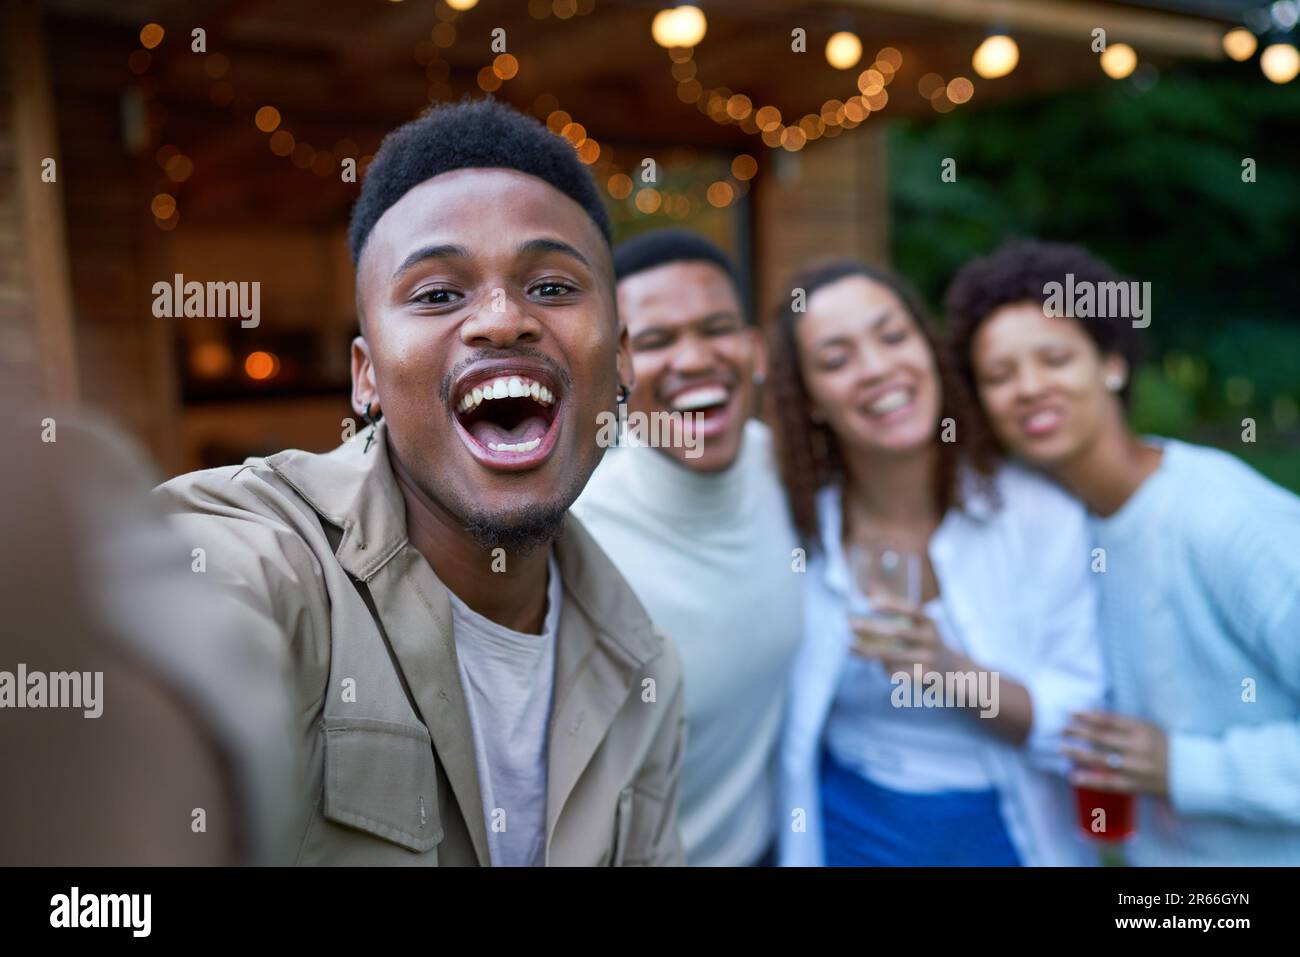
[[702, 534]]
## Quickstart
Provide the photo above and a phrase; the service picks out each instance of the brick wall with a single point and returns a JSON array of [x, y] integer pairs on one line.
[[828, 200]]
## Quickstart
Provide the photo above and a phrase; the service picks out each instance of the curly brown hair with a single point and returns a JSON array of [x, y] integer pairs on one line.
[[809, 453], [1019, 271]]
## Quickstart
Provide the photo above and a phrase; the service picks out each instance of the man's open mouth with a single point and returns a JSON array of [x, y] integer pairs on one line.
[[509, 419], [706, 408]]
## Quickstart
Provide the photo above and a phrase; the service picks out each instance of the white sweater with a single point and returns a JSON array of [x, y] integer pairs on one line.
[[710, 557]]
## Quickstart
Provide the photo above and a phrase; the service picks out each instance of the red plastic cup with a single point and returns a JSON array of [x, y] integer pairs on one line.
[[1119, 814]]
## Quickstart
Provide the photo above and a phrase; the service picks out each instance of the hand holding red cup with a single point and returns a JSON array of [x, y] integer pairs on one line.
[[1117, 758]]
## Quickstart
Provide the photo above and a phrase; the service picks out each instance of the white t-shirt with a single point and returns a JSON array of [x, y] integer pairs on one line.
[[508, 678]]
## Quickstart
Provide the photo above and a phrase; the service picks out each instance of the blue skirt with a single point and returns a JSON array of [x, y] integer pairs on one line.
[[866, 825]]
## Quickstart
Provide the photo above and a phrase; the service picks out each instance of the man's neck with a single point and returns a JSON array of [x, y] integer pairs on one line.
[[1113, 467], [509, 589]]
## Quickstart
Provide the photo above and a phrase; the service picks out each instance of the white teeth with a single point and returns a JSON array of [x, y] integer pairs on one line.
[[513, 387], [514, 447], [1042, 420], [700, 397], [891, 401]]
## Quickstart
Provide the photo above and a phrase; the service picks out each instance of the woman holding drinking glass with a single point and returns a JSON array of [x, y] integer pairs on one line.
[[981, 581], [1200, 606]]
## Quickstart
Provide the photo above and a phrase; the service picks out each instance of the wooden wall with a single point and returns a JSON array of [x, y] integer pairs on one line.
[[36, 337]]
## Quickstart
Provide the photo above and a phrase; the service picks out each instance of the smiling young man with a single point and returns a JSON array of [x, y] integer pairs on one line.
[[1200, 609], [475, 683], [701, 531]]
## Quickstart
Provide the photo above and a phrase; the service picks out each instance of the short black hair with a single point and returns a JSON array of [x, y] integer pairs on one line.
[[1018, 271], [660, 247], [481, 133]]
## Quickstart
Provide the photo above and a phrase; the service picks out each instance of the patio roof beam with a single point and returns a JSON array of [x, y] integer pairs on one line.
[[1146, 30]]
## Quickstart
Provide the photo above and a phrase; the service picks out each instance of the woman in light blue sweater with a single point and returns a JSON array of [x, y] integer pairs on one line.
[[1197, 558]]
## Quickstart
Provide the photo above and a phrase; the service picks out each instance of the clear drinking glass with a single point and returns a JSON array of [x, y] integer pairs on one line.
[[883, 574]]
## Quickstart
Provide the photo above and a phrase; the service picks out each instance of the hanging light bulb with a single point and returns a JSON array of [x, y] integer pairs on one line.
[[843, 50], [691, 25], [462, 5], [1118, 60], [1280, 62], [1239, 44], [996, 56], [682, 26], [661, 28]]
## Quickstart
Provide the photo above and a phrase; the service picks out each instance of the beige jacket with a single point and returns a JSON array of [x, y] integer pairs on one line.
[[316, 546]]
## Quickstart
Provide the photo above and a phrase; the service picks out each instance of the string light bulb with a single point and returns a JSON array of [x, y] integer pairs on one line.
[[843, 50], [682, 26], [1239, 44], [1118, 60], [997, 56], [1280, 62]]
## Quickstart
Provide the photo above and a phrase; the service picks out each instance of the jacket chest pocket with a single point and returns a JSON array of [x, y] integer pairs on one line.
[[380, 779]]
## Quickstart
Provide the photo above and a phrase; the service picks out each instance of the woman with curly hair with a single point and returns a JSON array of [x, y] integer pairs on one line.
[[1199, 609], [885, 760]]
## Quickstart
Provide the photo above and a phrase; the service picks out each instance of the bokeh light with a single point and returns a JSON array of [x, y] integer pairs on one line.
[[1239, 44], [960, 89], [719, 194], [744, 166], [1280, 62], [843, 50], [267, 119], [683, 26], [1119, 60], [163, 205], [648, 200], [261, 366], [996, 56], [619, 186], [151, 34]]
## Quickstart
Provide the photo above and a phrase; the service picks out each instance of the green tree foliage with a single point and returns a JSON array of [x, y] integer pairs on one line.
[[1150, 180], [1147, 172]]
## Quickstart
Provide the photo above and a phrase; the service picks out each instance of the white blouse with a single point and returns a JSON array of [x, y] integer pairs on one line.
[[913, 749], [1019, 598]]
